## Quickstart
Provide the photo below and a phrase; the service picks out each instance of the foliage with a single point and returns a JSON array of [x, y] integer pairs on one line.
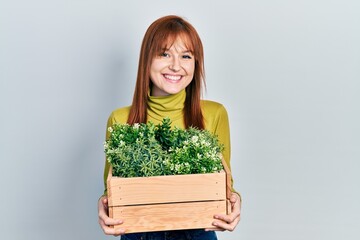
[[152, 150]]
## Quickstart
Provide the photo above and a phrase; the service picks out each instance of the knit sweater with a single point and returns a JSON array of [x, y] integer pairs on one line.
[[215, 119]]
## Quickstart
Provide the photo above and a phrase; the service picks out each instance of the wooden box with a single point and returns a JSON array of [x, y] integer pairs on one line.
[[173, 202]]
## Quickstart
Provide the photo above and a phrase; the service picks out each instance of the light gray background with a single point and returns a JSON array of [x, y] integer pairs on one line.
[[287, 72]]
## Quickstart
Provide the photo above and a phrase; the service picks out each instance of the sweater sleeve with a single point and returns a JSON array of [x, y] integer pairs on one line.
[[117, 116], [218, 121], [221, 128], [110, 122]]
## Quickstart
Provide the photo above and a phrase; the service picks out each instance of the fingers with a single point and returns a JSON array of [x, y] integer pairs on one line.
[[107, 224], [234, 198], [102, 208], [105, 201], [214, 229], [230, 221], [227, 218], [235, 201], [223, 225], [109, 221], [108, 228]]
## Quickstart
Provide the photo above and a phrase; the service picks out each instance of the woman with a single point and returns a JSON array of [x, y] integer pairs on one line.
[[169, 81]]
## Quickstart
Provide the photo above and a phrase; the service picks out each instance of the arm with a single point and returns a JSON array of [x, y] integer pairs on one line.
[[107, 223], [220, 126]]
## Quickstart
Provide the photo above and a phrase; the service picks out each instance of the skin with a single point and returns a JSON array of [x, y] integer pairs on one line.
[[228, 222], [105, 221], [171, 72]]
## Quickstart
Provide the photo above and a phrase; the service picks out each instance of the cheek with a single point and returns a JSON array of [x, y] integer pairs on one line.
[[155, 65], [190, 68], [154, 70]]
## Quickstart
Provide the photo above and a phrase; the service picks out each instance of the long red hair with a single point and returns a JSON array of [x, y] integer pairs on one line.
[[161, 33]]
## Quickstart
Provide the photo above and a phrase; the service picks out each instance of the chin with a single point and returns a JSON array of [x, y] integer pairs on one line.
[[174, 92]]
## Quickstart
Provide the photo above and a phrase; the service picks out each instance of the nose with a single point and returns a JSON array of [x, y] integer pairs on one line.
[[175, 65]]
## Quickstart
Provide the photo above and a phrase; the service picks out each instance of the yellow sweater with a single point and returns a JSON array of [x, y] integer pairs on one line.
[[215, 116]]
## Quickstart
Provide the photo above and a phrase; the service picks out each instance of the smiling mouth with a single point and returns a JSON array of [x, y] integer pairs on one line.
[[172, 77]]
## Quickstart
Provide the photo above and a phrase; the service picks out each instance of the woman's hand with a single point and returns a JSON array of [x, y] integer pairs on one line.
[[105, 222], [228, 222]]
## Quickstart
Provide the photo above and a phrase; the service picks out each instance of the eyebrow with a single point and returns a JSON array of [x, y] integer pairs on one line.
[[185, 51]]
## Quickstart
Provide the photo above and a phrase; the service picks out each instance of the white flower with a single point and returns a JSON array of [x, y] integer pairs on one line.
[[194, 139], [207, 144], [177, 167], [110, 129], [136, 126]]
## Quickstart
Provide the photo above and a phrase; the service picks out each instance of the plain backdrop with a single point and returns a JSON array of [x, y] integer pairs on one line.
[[288, 73]]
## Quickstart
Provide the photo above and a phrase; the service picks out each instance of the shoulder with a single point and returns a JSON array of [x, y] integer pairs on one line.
[[215, 115], [212, 107], [119, 115]]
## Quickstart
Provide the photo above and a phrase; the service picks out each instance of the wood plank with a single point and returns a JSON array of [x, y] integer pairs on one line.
[[228, 179], [160, 189], [174, 216], [108, 187]]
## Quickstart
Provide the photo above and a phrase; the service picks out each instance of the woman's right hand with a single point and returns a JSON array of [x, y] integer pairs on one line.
[[107, 223]]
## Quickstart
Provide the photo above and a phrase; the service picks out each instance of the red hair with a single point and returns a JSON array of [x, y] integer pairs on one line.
[[160, 33]]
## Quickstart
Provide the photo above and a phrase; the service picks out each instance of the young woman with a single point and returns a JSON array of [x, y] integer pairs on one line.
[[169, 83]]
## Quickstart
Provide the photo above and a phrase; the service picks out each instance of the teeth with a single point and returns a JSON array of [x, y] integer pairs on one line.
[[172, 77]]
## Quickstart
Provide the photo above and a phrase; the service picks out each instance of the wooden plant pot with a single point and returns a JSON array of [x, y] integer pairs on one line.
[[160, 203]]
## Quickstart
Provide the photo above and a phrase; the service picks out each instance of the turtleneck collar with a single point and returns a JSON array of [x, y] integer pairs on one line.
[[166, 106]]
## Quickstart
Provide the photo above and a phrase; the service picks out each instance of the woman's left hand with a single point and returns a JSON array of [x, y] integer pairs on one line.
[[228, 222]]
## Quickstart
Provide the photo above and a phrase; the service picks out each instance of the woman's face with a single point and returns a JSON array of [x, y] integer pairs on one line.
[[173, 70]]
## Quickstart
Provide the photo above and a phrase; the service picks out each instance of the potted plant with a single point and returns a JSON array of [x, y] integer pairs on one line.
[[165, 179]]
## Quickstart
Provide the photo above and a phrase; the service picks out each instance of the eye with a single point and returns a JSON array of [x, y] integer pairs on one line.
[[165, 54], [187, 56]]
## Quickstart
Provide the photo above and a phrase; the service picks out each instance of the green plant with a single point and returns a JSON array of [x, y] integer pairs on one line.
[[152, 150]]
